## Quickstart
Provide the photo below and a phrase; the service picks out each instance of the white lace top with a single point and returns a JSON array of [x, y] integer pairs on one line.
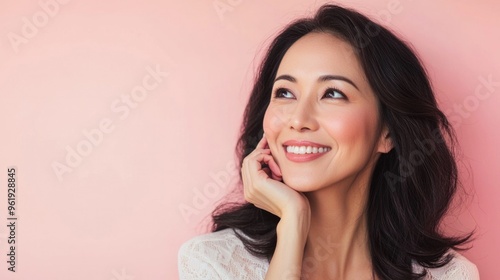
[[221, 255]]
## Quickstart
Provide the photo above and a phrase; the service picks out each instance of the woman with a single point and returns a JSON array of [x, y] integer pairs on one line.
[[352, 170]]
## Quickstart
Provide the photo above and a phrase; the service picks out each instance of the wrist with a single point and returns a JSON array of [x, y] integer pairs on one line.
[[294, 227]]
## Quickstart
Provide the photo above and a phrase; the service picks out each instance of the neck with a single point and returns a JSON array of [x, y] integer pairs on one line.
[[337, 243]]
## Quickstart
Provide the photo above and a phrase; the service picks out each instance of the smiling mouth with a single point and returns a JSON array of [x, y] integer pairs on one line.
[[302, 150]]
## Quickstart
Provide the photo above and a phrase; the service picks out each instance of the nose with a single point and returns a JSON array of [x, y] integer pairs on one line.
[[303, 117]]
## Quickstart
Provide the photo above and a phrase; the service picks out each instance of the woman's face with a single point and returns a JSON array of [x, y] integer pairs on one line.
[[322, 123]]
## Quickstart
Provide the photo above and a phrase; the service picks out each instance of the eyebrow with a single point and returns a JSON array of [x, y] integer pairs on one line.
[[323, 78]]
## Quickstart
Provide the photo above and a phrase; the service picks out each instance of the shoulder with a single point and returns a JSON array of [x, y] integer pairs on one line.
[[213, 241], [218, 255], [458, 268]]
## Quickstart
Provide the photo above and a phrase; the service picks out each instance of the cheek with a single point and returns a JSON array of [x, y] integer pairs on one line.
[[274, 121], [352, 129]]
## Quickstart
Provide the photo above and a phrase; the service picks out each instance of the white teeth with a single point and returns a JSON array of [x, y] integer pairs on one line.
[[301, 150]]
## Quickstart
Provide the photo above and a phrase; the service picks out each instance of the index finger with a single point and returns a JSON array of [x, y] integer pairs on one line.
[[262, 143]]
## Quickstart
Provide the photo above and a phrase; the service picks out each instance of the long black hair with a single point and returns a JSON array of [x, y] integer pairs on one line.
[[412, 186]]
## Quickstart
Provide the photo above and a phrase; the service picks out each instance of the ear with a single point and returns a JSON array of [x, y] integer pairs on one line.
[[385, 141]]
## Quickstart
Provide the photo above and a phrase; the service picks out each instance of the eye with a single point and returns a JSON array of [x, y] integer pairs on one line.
[[334, 94], [283, 93]]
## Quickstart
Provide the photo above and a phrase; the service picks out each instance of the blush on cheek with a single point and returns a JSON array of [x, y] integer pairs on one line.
[[274, 121], [348, 129], [344, 127]]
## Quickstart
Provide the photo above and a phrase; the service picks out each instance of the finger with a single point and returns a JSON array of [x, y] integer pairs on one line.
[[252, 165], [253, 168], [256, 155], [264, 156], [274, 167], [269, 160], [276, 177], [268, 172], [262, 143], [272, 174]]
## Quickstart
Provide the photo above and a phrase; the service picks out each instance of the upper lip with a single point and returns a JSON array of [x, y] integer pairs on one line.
[[303, 143]]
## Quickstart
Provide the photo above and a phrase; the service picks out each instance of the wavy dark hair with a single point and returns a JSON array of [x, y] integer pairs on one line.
[[412, 186]]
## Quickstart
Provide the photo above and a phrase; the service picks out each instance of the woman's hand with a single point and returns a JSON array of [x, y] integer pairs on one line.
[[263, 188]]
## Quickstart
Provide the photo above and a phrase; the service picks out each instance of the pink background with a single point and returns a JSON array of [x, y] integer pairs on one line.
[[164, 154]]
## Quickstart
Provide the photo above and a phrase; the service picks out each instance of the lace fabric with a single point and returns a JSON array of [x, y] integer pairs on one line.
[[221, 255]]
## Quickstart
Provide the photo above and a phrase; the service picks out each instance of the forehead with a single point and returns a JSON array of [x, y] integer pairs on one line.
[[319, 54]]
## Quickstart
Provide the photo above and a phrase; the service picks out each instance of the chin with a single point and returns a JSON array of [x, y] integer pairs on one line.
[[301, 184]]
